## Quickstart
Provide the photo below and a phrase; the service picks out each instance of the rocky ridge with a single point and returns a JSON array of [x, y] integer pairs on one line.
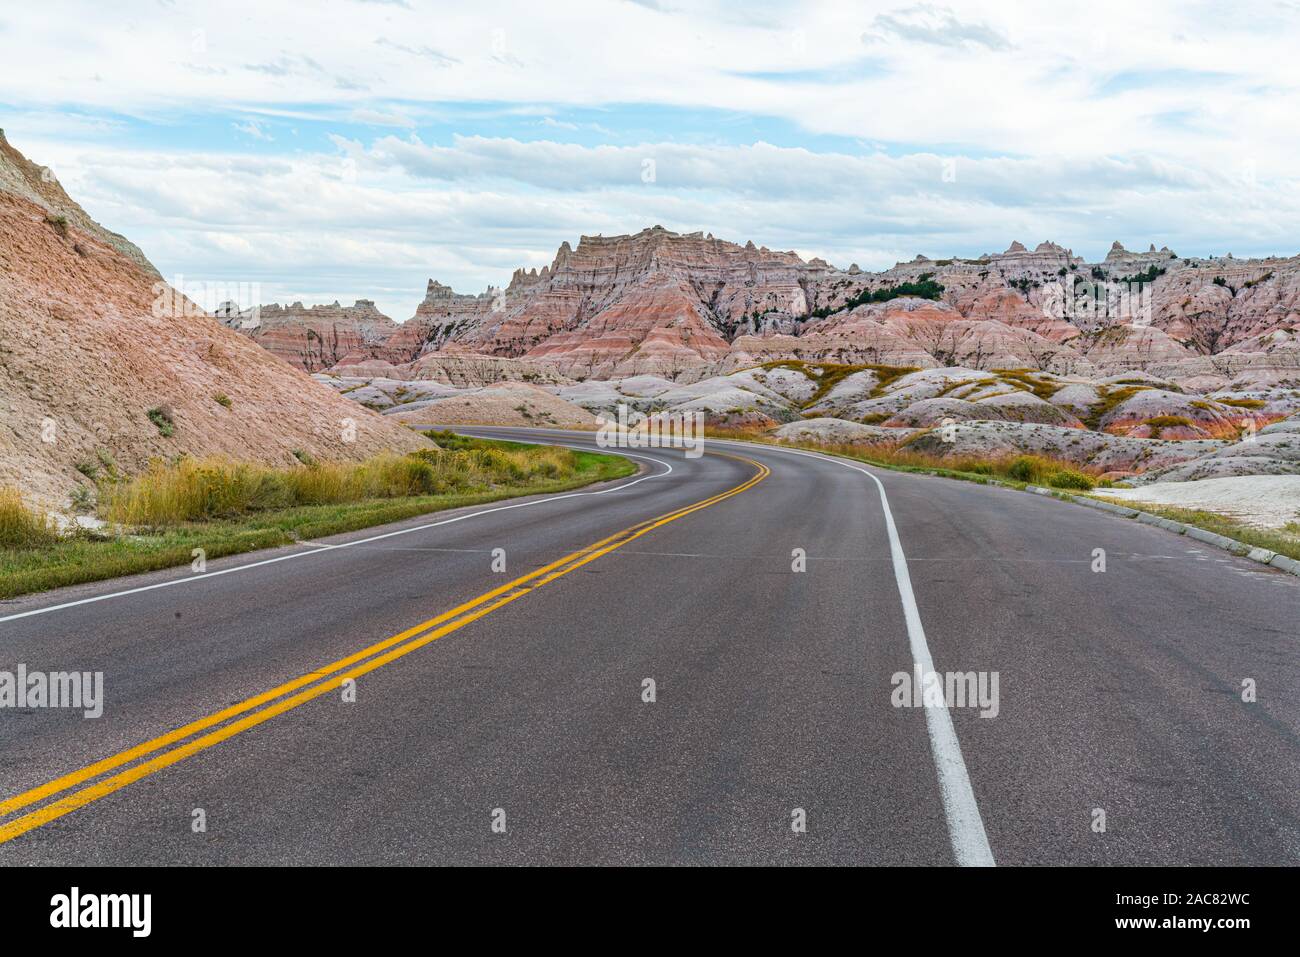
[[688, 306]]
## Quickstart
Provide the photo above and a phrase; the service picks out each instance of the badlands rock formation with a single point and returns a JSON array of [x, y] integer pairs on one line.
[[36, 184], [1141, 363], [506, 403], [318, 337], [689, 306], [99, 358], [1133, 425], [458, 369]]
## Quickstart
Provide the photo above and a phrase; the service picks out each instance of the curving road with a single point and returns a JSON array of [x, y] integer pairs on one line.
[[1118, 691]]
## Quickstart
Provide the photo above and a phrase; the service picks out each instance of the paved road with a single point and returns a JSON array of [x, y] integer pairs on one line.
[[1117, 690]]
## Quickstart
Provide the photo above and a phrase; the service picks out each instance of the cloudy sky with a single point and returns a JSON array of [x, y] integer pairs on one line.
[[357, 150]]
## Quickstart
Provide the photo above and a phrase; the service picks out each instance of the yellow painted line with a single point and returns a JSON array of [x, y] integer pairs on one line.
[[420, 633], [19, 801]]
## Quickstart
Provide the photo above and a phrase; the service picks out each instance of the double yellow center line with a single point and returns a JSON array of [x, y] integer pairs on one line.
[[181, 743]]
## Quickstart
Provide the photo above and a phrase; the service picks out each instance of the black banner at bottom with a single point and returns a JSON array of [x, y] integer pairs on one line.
[[332, 905]]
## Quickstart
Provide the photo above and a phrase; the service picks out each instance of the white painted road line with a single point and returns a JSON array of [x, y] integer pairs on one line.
[[970, 844], [322, 549]]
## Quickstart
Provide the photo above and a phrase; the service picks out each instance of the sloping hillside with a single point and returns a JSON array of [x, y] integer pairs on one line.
[[100, 362]]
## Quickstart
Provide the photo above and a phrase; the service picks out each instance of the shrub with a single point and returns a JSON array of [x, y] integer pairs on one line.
[[924, 287], [162, 418], [20, 526], [1025, 468], [1068, 478], [1149, 275], [222, 399], [107, 461], [60, 224], [1168, 421], [82, 498]]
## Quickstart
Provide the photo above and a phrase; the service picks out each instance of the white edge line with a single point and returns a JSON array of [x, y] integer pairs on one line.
[[322, 548], [970, 843], [965, 826]]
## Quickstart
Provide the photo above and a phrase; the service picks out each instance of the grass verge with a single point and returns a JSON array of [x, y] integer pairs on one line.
[[1014, 470], [227, 508], [1284, 541]]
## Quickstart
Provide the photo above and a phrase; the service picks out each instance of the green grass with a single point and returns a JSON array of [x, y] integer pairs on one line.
[[454, 442], [1159, 423], [1027, 379], [237, 512], [1109, 399], [831, 374], [21, 526], [1016, 471]]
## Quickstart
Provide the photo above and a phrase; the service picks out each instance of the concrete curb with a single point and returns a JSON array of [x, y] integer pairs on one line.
[[1254, 552]]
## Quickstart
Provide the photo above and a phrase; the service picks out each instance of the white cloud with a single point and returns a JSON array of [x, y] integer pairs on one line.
[[927, 23], [988, 77], [377, 221], [381, 118], [1163, 122], [254, 129]]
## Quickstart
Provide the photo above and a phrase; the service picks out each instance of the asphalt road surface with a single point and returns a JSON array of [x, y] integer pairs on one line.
[[500, 717]]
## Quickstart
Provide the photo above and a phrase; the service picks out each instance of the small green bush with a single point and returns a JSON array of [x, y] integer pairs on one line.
[[1025, 468], [1068, 478], [1168, 421], [161, 418], [82, 498], [109, 464]]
